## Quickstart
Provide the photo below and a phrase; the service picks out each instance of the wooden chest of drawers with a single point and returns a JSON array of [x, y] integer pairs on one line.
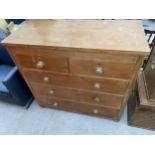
[[87, 66]]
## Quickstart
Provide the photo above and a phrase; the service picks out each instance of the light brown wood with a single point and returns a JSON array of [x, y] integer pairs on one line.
[[90, 65], [89, 109], [90, 97], [50, 63], [115, 86], [106, 56], [87, 34]]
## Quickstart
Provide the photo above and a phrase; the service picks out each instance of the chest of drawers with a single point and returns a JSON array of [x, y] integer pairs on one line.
[[86, 66]]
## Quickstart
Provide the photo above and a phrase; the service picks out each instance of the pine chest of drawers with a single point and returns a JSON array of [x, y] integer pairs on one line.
[[86, 66]]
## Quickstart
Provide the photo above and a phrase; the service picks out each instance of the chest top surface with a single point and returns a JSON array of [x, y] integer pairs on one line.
[[115, 35]]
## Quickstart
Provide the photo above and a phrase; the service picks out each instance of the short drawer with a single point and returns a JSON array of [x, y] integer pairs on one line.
[[115, 86], [72, 106], [101, 68], [42, 62], [91, 97]]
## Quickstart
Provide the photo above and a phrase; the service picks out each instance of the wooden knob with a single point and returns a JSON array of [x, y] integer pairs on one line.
[[40, 64], [99, 70], [97, 86], [97, 99], [46, 79], [55, 104], [51, 92], [95, 111]]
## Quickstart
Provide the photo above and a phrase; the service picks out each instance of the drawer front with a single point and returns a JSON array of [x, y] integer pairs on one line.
[[91, 54], [80, 82], [96, 98], [101, 68], [78, 107], [42, 62]]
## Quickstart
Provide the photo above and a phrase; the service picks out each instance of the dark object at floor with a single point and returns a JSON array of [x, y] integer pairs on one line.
[[151, 37], [141, 113], [16, 21], [13, 88], [149, 28]]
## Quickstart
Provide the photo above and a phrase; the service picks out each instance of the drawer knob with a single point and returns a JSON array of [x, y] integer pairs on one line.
[[46, 79], [55, 104], [40, 64], [97, 99], [95, 111], [99, 70], [51, 92], [97, 86]]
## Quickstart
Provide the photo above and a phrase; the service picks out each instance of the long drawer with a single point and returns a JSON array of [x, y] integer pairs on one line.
[[78, 107], [82, 82], [91, 97], [101, 68]]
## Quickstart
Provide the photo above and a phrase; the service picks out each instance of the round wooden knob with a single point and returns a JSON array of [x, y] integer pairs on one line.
[[99, 70], [51, 92], [46, 79], [40, 64], [55, 104], [95, 111], [97, 99], [97, 86]]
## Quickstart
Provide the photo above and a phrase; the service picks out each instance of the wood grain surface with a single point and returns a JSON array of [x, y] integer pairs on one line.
[[117, 35]]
